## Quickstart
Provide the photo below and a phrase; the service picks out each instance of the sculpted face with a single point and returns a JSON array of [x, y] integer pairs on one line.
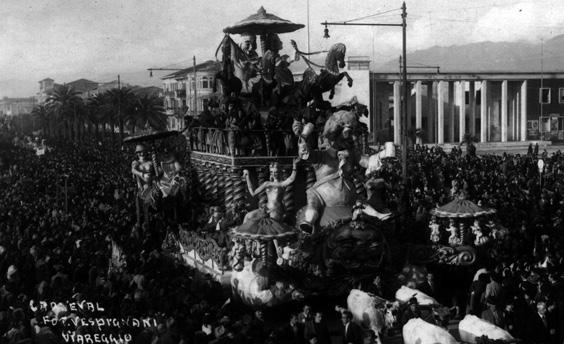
[[340, 129], [274, 171]]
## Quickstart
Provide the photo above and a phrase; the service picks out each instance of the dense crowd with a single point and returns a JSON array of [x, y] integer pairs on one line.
[[61, 212], [518, 284]]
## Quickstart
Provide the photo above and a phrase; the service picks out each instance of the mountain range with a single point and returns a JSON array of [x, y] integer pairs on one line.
[[488, 57], [474, 57]]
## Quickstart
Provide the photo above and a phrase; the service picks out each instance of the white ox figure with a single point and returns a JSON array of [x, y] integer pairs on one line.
[[404, 293], [472, 327], [371, 311], [250, 287], [255, 290], [418, 331]]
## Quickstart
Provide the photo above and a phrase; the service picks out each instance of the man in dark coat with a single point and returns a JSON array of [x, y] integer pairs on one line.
[[429, 286], [538, 327], [293, 332], [352, 333], [317, 328]]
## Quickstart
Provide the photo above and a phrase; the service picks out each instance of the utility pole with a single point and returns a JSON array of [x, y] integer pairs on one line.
[[308, 26], [404, 116], [405, 95], [541, 129], [195, 89]]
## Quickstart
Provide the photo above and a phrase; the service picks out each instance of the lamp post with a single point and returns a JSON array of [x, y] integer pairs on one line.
[[403, 25], [540, 165]]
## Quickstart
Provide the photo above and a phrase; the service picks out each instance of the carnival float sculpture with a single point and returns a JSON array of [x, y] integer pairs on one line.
[[465, 223], [280, 187]]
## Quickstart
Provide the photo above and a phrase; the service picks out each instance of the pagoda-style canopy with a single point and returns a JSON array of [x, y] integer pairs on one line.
[[264, 229], [462, 208], [261, 23]]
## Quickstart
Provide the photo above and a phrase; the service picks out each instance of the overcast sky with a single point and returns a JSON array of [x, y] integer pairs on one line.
[[68, 39]]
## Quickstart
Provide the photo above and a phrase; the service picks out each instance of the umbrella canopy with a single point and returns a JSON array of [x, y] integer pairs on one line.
[[461, 208], [151, 136], [264, 229], [261, 23]]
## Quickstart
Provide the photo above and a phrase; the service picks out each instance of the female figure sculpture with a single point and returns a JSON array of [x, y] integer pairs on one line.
[[274, 189]]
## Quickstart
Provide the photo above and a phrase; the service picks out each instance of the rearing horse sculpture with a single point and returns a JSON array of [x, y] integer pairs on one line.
[[314, 85]]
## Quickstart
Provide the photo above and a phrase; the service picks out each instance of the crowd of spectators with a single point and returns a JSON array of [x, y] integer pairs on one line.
[[61, 212]]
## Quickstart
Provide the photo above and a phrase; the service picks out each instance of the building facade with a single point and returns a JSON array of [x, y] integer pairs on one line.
[[187, 92], [493, 107], [16, 106]]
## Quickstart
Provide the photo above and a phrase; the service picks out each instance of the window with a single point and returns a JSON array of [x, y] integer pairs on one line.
[[544, 95], [561, 95], [204, 82]]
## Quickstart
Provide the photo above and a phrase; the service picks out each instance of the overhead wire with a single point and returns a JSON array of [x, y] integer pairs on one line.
[[372, 15]]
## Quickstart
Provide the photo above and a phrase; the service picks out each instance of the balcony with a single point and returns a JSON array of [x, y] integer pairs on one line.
[[242, 147]]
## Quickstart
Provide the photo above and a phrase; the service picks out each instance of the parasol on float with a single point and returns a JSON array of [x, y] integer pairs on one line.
[[460, 207], [150, 136], [262, 23]]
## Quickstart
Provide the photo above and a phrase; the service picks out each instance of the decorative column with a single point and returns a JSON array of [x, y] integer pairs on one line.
[[397, 113], [239, 185], [524, 111], [228, 187], [208, 183], [504, 111], [430, 113], [216, 170], [441, 113], [418, 109], [221, 179], [451, 110], [462, 110], [472, 104], [484, 112]]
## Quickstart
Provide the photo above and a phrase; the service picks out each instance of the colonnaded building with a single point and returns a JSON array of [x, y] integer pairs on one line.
[[495, 107]]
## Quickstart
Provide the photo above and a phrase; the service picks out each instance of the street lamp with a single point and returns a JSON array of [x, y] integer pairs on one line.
[[326, 31]]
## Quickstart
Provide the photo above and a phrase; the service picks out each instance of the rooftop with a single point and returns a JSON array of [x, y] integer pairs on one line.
[[208, 66]]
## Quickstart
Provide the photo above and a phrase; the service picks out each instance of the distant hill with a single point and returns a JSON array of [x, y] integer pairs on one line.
[[488, 56]]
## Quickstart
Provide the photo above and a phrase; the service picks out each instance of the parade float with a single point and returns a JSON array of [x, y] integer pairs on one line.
[[280, 198]]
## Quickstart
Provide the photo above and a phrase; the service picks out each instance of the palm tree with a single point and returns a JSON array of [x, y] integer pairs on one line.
[[41, 112], [150, 112], [64, 104], [98, 111], [122, 102]]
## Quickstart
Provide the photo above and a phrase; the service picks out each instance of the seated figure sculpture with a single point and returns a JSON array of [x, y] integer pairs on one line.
[[170, 182], [333, 195]]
